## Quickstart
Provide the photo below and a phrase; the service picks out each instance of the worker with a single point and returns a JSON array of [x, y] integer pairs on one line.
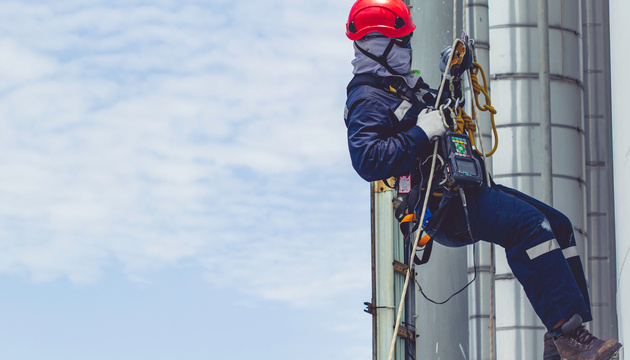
[[391, 127]]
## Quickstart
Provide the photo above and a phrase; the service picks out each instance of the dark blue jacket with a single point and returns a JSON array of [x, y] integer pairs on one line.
[[383, 138], [385, 142]]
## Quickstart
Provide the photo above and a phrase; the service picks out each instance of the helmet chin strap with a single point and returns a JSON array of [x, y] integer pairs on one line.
[[383, 58]]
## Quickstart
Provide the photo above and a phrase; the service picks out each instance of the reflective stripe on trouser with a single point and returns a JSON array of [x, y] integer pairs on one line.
[[563, 231], [535, 247]]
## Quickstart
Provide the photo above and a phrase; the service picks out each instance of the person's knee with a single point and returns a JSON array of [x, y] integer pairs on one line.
[[562, 229], [531, 231]]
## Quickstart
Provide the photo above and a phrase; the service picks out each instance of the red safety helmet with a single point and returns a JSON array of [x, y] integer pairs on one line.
[[391, 18]]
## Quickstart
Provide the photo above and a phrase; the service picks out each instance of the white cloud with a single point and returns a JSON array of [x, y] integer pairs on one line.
[[19, 64], [152, 134]]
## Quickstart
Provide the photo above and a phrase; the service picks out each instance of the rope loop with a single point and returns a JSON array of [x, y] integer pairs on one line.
[[479, 89]]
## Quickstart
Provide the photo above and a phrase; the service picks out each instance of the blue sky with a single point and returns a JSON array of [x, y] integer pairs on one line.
[[175, 182]]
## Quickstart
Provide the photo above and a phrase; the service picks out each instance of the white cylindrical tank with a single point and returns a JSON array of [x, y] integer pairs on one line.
[[515, 95], [619, 10], [481, 295], [442, 329]]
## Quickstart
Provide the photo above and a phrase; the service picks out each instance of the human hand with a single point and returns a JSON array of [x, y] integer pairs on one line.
[[430, 121]]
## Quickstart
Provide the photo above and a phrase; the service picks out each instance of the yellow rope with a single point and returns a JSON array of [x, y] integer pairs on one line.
[[465, 122]]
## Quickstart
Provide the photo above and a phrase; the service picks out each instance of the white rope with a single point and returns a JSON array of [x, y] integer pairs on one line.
[[413, 253], [421, 219]]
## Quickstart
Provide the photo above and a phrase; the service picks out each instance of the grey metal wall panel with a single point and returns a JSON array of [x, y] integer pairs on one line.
[[600, 267]]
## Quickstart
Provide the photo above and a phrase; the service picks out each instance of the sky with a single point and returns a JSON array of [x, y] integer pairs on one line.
[[175, 182]]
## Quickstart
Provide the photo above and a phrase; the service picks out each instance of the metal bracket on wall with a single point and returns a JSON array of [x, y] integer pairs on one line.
[[400, 268], [406, 333], [371, 309], [384, 185]]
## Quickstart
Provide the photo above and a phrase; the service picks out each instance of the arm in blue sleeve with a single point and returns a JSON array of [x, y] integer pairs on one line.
[[377, 148]]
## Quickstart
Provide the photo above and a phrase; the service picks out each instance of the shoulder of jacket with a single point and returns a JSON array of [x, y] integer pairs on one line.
[[361, 93], [367, 99]]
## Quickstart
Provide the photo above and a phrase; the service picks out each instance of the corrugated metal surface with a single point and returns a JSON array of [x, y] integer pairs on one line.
[[600, 266]]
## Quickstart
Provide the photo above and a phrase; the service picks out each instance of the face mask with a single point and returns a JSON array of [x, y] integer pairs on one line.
[[382, 55]]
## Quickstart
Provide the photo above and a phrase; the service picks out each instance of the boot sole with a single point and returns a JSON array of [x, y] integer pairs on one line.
[[611, 355], [614, 353]]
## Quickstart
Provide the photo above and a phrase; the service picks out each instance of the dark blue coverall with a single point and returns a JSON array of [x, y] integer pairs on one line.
[[384, 141]]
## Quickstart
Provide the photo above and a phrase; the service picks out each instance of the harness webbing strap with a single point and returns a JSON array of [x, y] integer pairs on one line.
[[397, 86]]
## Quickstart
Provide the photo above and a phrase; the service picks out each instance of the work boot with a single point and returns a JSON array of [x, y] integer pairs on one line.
[[551, 351], [574, 342]]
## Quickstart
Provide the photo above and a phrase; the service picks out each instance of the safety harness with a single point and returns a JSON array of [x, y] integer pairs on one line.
[[407, 208], [397, 86]]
